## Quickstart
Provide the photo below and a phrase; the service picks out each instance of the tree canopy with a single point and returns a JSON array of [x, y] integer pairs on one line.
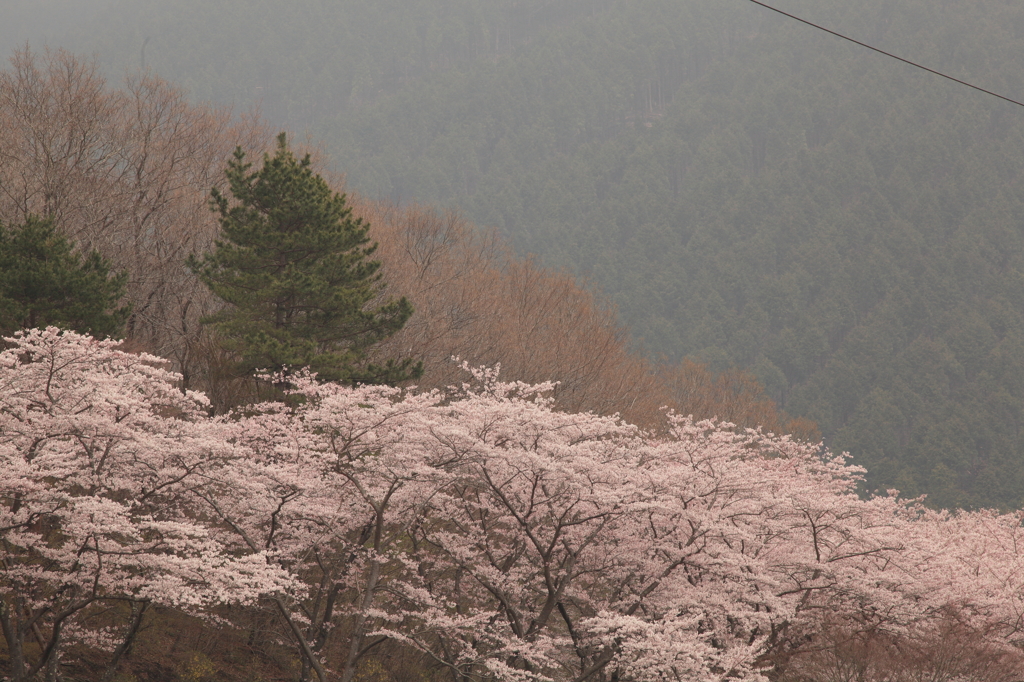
[[294, 267], [478, 528], [44, 281]]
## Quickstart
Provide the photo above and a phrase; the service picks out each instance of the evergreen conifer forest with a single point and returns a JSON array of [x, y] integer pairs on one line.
[[576, 213]]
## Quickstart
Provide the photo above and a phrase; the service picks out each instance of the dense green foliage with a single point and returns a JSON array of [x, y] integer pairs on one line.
[[749, 191], [293, 267], [43, 282]]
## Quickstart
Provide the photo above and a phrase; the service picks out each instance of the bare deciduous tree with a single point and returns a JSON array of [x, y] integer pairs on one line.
[[128, 172], [475, 300], [125, 171]]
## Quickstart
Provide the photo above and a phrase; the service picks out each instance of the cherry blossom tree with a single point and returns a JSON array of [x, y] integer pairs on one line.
[[330, 488], [575, 547], [960, 618], [99, 454], [522, 534], [506, 540], [585, 548], [357, 490], [479, 527], [748, 536]]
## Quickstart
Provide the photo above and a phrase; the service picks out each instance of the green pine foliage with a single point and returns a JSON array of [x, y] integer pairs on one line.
[[44, 281], [295, 270]]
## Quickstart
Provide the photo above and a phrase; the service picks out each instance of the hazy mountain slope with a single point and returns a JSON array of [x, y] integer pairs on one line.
[[750, 192], [847, 226], [299, 60]]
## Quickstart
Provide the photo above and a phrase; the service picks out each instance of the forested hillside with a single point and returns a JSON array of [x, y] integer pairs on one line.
[[750, 192], [767, 197], [104, 572]]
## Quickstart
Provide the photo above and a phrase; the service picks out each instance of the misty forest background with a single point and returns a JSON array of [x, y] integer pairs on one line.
[[747, 191]]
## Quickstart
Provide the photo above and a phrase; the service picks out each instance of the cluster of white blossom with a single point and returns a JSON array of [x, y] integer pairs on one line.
[[498, 537]]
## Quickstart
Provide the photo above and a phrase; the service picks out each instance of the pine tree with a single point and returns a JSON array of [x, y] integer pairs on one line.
[[295, 268], [44, 281]]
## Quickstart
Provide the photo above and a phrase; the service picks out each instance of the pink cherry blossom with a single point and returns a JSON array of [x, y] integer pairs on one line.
[[99, 452], [496, 536]]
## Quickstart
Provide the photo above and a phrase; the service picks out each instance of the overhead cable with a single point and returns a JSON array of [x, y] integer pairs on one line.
[[887, 54]]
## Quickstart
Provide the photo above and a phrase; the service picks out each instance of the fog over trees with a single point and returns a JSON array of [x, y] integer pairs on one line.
[[702, 207], [751, 193]]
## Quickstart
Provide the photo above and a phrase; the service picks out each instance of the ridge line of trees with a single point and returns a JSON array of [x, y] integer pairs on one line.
[[137, 165]]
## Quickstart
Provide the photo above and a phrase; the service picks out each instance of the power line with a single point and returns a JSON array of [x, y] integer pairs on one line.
[[887, 54]]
